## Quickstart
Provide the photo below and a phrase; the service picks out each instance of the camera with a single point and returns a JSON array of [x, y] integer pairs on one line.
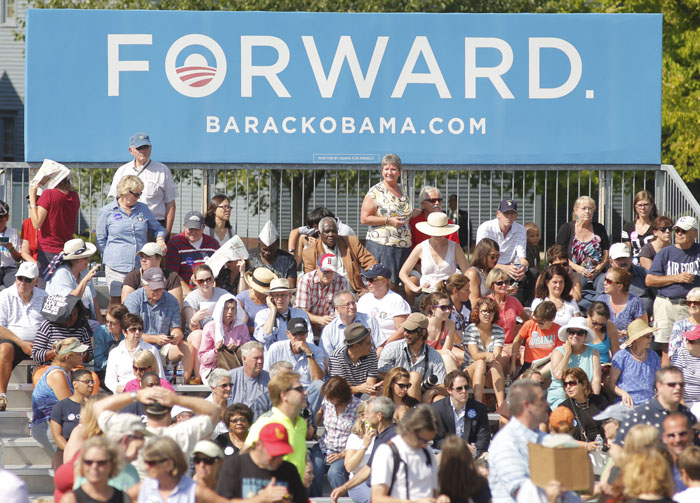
[[429, 383]]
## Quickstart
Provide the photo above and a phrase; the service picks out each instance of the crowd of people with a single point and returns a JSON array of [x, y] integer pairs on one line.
[[347, 366]]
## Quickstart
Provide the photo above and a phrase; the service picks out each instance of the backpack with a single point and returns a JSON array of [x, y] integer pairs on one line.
[[398, 461]]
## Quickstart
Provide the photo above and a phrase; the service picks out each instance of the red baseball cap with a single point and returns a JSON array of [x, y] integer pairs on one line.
[[274, 438], [694, 334]]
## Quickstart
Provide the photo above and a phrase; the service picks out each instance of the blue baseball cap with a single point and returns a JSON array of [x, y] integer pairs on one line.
[[377, 270], [139, 140]]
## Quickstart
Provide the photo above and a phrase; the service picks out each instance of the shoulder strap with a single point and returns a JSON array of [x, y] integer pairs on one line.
[[395, 470]]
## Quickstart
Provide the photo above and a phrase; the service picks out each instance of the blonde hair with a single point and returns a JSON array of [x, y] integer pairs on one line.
[[166, 447], [358, 428], [647, 471], [57, 345], [145, 358], [88, 418], [113, 453], [583, 200], [640, 437], [128, 184]]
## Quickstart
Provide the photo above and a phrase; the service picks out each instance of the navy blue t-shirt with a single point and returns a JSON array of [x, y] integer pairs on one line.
[[672, 260], [66, 412]]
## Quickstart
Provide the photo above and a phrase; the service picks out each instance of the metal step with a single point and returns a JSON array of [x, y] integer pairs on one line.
[[14, 423], [19, 396], [38, 478], [22, 373], [22, 451]]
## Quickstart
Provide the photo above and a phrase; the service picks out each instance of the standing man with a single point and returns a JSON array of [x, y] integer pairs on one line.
[[674, 272], [677, 434], [430, 200], [159, 189], [463, 416], [333, 335], [511, 238], [20, 318], [269, 255], [189, 249], [509, 458], [461, 218], [316, 291], [354, 257]]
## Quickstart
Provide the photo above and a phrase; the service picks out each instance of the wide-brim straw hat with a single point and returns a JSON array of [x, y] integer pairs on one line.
[[436, 225], [636, 330], [259, 279], [579, 323], [76, 248], [280, 285]]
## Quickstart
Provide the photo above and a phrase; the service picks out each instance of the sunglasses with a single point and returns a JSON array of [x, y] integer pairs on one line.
[[141, 369], [581, 333], [485, 312], [675, 384], [665, 228], [598, 324], [204, 459], [410, 331], [444, 308], [403, 386], [24, 279], [571, 383], [99, 462], [502, 282], [204, 281], [153, 462], [460, 388], [433, 200], [565, 265], [678, 230], [692, 303], [134, 330], [299, 388], [135, 194]]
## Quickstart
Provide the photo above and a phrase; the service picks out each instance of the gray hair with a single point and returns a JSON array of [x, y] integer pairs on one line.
[[328, 219], [425, 192], [392, 159], [520, 392], [693, 294], [336, 297], [216, 376], [249, 346], [384, 406], [279, 367]]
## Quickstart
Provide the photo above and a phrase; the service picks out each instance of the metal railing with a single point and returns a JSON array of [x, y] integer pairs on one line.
[[286, 193]]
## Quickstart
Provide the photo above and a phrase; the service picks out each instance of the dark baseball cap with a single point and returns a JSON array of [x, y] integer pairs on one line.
[[194, 220], [508, 205], [377, 270], [297, 325]]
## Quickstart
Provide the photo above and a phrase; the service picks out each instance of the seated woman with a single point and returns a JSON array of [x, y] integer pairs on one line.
[[144, 362], [64, 317], [439, 257], [509, 308], [219, 380], [692, 300], [357, 453], [107, 336], [605, 337], [483, 341], [65, 414], [54, 385], [633, 371], [222, 336], [662, 228], [624, 307], [338, 413], [557, 255], [574, 353], [484, 258], [71, 275], [120, 364], [396, 384], [151, 255], [585, 405], [540, 336], [441, 329], [555, 286], [238, 418]]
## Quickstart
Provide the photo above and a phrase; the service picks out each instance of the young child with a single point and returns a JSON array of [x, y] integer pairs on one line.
[[689, 466], [532, 252], [539, 336]]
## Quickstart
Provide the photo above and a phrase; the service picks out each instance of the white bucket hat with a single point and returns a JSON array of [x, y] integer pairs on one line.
[[76, 248], [437, 224], [579, 323]]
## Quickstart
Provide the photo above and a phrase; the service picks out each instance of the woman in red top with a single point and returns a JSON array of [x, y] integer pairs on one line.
[[540, 338], [55, 214], [441, 329]]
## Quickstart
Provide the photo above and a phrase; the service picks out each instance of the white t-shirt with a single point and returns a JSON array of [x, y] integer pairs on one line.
[[354, 442], [690, 495], [384, 309], [6, 259], [422, 480], [568, 310]]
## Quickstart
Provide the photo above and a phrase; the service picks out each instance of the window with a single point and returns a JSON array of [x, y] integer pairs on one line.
[[7, 14], [8, 135]]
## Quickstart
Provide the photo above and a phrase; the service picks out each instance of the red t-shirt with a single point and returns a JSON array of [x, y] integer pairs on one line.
[[506, 317], [31, 235], [60, 222], [418, 237], [538, 342]]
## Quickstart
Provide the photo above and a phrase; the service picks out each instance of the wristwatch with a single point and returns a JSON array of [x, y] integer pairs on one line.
[[133, 396], [310, 355]]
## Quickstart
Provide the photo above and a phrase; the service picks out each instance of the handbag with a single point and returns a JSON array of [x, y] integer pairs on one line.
[[229, 359], [599, 459]]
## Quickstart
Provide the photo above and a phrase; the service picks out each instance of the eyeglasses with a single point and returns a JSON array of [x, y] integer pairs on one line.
[[502, 282], [227, 385], [153, 462], [140, 369], [675, 384], [609, 281], [224, 207], [678, 230], [433, 200], [565, 265], [99, 462], [134, 330], [112, 323], [461, 388], [571, 383], [665, 228], [421, 439], [24, 279], [642, 205], [403, 385], [204, 459], [135, 194], [349, 304], [299, 388], [407, 331], [238, 419], [89, 383], [443, 307], [204, 280], [692, 303], [580, 333]]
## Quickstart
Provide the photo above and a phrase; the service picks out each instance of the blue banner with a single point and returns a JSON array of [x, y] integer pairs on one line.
[[270, 87]]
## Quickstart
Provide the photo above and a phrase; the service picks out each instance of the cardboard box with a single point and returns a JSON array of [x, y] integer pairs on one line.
[[568, 465]]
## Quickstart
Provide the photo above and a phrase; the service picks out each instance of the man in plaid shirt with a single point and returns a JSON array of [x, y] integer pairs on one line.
[[316, 290]]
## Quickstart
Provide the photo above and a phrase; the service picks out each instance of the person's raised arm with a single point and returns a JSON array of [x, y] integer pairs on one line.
[[408, 266], [561, 362]]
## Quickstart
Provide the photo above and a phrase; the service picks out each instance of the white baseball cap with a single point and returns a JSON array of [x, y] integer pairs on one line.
[[620, 250]]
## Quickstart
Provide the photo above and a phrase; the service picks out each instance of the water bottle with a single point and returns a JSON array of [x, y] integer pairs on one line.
[[588, 264], [169, 372], [599, 444], [180, 373], [518, 265]]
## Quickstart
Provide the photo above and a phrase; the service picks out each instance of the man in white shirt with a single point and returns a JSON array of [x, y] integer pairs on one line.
[[20, 318], [159, 189], [510, 236]]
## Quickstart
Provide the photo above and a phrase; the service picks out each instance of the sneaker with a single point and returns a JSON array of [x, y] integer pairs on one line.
[[195, 380], [3, 403]]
